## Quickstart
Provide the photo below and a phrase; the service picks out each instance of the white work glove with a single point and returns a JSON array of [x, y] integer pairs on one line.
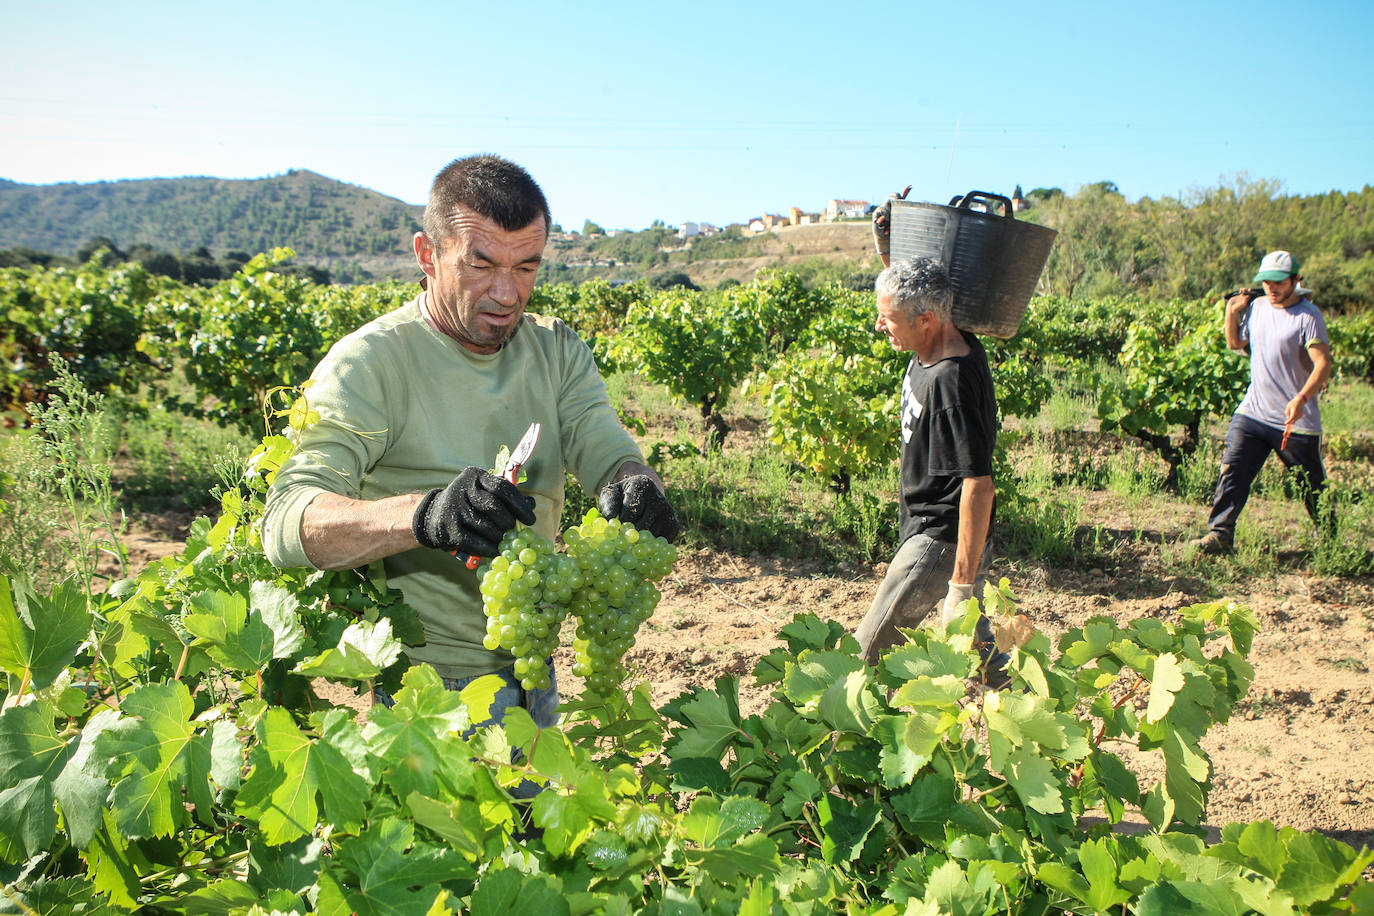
[[957, 595]]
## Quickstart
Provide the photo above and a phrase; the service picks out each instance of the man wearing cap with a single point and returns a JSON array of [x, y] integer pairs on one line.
[[1290, 364]]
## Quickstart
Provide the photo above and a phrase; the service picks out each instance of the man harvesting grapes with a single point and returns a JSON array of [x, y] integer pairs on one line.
[[1290, 363], [417, 403], [949, 427]]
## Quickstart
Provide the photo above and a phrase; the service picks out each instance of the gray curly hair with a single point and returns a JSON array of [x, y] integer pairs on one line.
[[917, 285]]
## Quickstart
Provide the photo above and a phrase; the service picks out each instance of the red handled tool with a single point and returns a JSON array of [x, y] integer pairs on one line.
[[523, 449]]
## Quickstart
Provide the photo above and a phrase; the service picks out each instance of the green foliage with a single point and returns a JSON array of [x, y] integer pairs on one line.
[[697, 345], [1076, 332], [832, 399], [1178, 373], [1352, 345], [1343, 548], [595, 309], [263, 329], [30, 510], [77, 438], [1207, 241], [90, 318]]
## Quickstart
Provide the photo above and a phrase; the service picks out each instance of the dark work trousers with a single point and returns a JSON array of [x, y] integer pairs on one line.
[[1248, 444]]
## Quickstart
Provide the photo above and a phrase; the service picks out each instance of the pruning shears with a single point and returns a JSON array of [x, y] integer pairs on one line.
[[511, 471]]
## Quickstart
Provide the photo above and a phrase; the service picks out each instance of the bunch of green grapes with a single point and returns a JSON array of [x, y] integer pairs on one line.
[[618, 564], [605, 580], [526, 593]]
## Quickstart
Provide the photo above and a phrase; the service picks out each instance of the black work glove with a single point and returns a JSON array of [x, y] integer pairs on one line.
[[882, 222], [471, 514], [636, 500]]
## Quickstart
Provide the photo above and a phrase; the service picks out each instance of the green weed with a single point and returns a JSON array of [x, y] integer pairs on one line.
[[169, 460], [76, 438], [1348, 663], [29, 511], [1199, 472], [1066, 410], [1346, 408], [1344, 548]]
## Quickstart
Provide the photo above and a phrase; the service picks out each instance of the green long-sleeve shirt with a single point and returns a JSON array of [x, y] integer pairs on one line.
[[405, 408]]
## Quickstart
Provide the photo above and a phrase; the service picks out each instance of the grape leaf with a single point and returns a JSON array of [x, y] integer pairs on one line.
[[414, 736], [697, 773], [848, 704], [231, 636], [568, 820], [945, 692], [81, 790], [290, 770], [814, 673], [928, 658], [949, 890], [1167, 680], [1101, 871], [908, 743], [715, 822], [41, 634], [154, 755], [751, 857], [714, 724], [1186, 770], [279, 609], [807, 631], [845, 826], [509, 892], [1318, 866], [1023, 719], [463, 826], [392, 874], [364, 651], [1079, 647], [1190, 898], [1032, 777]]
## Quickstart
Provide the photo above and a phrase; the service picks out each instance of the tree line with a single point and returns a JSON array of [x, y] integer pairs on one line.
[[1205, 242]]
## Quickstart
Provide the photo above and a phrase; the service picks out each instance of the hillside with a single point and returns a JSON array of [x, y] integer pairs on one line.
[[841, 251], [359, 234], [331, 224]]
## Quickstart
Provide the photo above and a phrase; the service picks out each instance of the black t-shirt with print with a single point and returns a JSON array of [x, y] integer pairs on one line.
[[949, 428]]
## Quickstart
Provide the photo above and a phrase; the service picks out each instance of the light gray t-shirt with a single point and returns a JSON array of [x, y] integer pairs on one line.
[[1280, 363]]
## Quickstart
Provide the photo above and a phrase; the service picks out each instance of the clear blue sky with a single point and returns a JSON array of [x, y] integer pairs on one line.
[[705, 111]]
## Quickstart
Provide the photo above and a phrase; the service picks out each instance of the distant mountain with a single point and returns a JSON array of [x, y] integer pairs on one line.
[[350, 230]]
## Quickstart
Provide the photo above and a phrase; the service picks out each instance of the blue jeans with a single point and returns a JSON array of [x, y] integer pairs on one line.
[[1248, 444], [916, 583]]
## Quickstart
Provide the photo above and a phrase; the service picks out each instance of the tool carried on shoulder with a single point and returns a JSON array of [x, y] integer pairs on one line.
[[511, 471]]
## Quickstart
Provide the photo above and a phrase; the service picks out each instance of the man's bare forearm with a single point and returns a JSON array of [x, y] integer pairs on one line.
[[975, 518], [1235, 308], [339, 532]]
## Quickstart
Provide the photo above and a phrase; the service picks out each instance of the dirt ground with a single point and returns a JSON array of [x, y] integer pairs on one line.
[[1298, 751]]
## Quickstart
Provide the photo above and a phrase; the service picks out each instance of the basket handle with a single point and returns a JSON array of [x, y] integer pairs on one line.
[[963, 201]]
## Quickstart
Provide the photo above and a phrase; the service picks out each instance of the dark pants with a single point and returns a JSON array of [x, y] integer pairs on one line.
[[1248, 444]]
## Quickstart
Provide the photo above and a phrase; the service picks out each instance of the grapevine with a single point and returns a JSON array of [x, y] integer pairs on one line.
[[606, 580]]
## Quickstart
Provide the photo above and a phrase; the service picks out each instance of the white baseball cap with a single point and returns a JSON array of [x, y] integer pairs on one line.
[[1277, 265]]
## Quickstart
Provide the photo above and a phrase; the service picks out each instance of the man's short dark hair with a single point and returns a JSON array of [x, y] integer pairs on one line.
[[917, 285], [496, 188]]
